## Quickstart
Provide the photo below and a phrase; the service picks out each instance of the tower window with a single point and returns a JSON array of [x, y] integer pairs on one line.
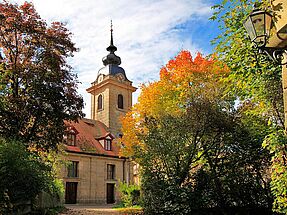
[[120, 101], [100, 102]]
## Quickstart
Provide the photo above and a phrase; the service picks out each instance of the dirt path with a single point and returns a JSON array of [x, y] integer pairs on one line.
[[89, 210]]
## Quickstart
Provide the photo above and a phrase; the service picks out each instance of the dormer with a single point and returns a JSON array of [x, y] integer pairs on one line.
[[70, 136], [107, 142]]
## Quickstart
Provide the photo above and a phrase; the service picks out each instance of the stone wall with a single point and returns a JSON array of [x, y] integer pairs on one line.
[[92, 178], [110, 88]]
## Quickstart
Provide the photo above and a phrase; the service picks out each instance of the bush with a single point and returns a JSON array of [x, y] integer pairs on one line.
[[23, 175], [130, 194]]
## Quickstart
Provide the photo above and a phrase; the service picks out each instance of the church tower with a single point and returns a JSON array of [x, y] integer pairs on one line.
[[111, 92]]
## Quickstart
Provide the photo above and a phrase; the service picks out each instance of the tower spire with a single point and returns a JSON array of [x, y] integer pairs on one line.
[[111, 58], [112, 41], [112, 48]]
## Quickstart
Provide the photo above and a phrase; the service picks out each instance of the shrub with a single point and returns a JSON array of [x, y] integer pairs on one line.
[[130, 194], [23, 175]]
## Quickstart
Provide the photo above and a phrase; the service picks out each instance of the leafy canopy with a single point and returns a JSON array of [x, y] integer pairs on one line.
[[183, 82], [254, 77], [192, 145], [37, 86], [257, 81]]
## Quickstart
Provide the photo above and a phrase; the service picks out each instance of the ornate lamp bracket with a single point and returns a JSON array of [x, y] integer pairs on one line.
[[278, 55]]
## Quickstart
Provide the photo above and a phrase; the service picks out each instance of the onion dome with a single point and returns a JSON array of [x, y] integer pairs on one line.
[[112, 62]]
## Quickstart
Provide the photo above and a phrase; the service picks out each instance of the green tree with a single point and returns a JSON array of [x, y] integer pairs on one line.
[[37, 86], [23, 175], [276, 143], [205, 163], [254, 77], [257, 82], [37, 94], [193, 146]]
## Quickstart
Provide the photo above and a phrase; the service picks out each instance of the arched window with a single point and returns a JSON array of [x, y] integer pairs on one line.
[[120, 101], [100, 102]]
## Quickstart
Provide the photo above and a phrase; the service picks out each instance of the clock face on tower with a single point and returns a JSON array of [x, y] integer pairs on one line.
[[100, 78], [120, 77]]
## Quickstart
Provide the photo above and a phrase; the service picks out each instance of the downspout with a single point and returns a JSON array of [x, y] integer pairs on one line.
[[95, 105], [90, 180], [124, 162]]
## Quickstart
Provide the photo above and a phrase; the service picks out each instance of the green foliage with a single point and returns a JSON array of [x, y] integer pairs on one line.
[[38, 89], [190, 164], [254, 77], [276, 143], [130, 194], [23, 176], [38, 92], [56, 188], [257, 81], [6, 206], [204, 153], [129, 211]]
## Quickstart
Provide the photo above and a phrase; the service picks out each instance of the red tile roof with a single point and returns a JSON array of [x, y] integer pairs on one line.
[[89, 133]]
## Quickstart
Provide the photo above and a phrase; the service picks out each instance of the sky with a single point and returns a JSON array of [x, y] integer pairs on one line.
[[147, 33]]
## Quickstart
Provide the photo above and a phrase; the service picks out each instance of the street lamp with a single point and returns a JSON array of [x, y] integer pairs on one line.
[[258, 26]]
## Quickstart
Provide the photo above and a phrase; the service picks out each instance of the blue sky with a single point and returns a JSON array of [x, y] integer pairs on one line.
[[147, 33]]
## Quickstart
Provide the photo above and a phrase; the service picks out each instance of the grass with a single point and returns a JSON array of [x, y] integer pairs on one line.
[[133, 210], [130, 211]]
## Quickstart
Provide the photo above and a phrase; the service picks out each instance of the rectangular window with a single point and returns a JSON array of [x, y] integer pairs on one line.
[[71, 139], [110, 171], [73, 169], [108, 145]]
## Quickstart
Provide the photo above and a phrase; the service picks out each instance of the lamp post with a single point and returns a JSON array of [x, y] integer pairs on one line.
[[259, 25]]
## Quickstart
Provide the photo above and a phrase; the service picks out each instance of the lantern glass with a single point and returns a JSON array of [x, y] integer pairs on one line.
[[258, 20], [258, 25], [268, 23], [250, 28]]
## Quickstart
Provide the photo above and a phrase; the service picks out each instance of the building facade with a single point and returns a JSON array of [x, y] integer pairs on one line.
[[93, 166]]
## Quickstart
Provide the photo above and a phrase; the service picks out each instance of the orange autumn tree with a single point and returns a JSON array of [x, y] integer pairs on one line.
[[193, 147], [182, 80]]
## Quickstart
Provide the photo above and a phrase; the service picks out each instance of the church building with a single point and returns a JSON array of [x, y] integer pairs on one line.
[[93, 164]]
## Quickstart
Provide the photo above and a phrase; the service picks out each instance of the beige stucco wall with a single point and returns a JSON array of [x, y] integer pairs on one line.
[[115, 112], [279, 31], [110, 88], [92, 180], [279, 40], [101, 115], [279, 8]]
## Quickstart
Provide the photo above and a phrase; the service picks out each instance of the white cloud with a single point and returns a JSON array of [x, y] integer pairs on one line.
[[144, 31]]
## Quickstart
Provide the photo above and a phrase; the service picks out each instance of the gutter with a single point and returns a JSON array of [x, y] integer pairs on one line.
[[96, 155]]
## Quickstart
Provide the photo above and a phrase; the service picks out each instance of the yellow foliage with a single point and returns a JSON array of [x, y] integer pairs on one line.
[[182, 80]]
